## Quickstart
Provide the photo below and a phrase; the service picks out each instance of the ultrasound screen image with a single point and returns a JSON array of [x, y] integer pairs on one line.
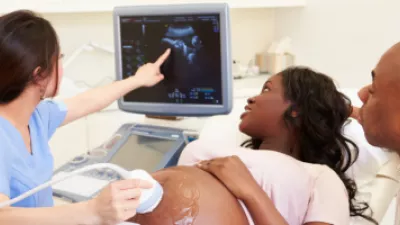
[[192, 71]]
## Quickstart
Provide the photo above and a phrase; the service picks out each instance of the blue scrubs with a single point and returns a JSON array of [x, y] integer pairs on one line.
[[21, 171]]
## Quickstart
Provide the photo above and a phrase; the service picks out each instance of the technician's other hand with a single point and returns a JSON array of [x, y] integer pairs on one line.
[[233, 173], [118, 201], [149, 74]]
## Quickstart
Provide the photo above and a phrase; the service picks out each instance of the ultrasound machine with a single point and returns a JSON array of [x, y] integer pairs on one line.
[[198, 82]]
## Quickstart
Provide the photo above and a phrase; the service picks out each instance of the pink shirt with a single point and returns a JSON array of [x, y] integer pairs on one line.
[[301, 192]]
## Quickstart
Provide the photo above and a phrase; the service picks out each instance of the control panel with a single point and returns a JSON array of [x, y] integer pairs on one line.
[[132, 146]]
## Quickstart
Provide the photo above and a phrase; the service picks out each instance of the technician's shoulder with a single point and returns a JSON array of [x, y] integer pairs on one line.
[[48, 116], [46, 107]]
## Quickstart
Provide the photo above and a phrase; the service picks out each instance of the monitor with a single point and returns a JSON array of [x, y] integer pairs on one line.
[[143, 152], [198, 77]]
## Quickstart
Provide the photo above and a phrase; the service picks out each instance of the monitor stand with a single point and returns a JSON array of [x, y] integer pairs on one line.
[[175, 118], [180, 122]]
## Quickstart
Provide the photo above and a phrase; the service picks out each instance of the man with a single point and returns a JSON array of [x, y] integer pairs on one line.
[[380, 114]]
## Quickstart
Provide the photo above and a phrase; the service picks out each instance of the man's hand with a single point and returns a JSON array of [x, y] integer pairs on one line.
[[356, 114]]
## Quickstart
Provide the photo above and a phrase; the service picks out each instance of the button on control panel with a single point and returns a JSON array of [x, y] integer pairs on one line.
[[79, 160]]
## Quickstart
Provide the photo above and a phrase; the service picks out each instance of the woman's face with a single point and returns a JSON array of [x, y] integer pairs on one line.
[[264, 113]]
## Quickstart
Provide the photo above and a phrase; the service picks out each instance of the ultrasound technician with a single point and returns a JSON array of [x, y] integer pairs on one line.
[[30, 71]]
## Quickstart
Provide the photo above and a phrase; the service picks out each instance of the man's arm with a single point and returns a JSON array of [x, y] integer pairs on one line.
[[385, 186]]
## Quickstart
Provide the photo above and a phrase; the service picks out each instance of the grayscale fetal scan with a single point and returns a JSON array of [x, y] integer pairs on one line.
[[192, 71], [184, 40]]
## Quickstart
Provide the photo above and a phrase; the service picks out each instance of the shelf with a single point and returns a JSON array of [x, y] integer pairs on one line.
[[92, 6]]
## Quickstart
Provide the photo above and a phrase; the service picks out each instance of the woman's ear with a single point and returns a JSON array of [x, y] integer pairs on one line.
[[37, 73], [40, 82]]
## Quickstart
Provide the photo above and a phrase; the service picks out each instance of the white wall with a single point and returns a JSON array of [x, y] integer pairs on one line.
[[252, 32], [343, 38]]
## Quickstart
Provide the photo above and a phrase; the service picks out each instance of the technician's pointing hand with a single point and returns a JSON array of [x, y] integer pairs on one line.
[[149, 74], [118, 201]]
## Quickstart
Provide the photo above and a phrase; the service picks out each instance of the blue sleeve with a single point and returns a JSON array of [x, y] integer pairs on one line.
[[53, 115], [4, 172]]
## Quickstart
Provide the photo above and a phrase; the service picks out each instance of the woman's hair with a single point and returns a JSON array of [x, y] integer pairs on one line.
[[27, 42], [322, 111]]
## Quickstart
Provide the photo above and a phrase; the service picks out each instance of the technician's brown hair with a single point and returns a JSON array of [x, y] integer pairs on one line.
[[27, 42]]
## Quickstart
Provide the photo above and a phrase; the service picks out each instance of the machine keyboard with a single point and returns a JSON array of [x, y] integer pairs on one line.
[[103, 174]]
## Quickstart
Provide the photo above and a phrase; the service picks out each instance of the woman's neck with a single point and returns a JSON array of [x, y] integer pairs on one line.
[[19, 111], [282, 145]]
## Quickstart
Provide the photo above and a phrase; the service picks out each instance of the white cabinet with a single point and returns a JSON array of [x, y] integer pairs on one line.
[[80, 6]]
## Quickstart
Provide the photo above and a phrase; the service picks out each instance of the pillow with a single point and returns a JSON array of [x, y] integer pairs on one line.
[[225, 129]]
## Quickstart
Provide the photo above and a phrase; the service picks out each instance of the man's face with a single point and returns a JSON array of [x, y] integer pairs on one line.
[[380, 114]]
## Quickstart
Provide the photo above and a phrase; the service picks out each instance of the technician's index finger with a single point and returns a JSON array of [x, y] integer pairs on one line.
[[163, 57]]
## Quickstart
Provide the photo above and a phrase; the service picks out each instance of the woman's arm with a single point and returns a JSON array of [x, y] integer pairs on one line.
[[98, 98]]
